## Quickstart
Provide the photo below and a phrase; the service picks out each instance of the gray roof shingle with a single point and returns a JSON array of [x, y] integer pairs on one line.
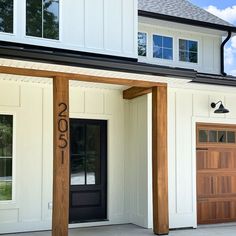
[[182, 9]]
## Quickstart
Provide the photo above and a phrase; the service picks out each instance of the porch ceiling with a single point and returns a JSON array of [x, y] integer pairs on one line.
[[84, 71], [172, 82], [48, 81]]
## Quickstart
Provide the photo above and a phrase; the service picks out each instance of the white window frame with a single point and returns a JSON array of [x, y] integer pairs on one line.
[[13, 200], [141, 31], [30, 37], [198, 50], [173, 47], [14, 22]]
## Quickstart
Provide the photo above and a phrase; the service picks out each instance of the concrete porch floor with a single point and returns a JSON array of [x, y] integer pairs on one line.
[[133, 230]]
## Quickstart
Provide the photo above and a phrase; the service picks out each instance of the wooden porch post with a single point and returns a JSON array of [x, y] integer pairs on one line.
[[159, 161], [60, 216]]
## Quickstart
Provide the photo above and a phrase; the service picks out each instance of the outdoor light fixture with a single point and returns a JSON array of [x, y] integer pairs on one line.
[[221, 108]]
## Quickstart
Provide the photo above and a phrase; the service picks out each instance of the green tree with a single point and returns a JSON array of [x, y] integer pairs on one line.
[[46, 9], [6, 135], [50, 19], [6, 16]]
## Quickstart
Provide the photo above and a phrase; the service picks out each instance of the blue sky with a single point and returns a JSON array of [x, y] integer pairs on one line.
[[226, 9], [218, 3]]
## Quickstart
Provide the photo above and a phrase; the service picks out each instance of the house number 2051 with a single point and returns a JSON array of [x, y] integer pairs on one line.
[[62, 127]]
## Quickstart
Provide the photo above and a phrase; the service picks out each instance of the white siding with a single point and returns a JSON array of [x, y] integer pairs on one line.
[[137, 161], [185, 108], [208, 45], [32, 105], [96, 26]]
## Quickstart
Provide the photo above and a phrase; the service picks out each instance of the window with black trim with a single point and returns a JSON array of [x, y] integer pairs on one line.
[[6, 16], [162, 47], [188, 51], [42, 18], [6, 154]]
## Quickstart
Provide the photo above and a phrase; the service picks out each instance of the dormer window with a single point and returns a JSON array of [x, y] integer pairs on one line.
[[188, 51], [142, 44], [6, 16], [162, 47], [42, 18]]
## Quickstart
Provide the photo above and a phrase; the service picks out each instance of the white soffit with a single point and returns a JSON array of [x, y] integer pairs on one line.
[[172, 82], [86, 71], [48, 82]]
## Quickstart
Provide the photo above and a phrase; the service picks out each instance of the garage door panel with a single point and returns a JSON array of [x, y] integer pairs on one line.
[[205, 185], [216, 186], [216, 159], [202, 159], [216, 175], [224, 184], [216, 211]]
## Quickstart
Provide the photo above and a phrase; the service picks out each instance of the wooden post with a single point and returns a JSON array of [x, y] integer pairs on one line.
[[159, 161], [61, 157]]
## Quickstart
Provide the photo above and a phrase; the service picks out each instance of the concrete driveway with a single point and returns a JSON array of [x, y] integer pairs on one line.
[[133, 230]]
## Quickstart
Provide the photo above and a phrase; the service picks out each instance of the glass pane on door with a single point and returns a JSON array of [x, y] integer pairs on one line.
[[93, 154], [78, 155]]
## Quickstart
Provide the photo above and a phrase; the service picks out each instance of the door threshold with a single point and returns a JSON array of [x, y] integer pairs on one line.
[[90, 224], [88, 221]]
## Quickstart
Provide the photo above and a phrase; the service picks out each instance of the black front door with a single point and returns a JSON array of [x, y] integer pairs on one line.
[[88, 186]]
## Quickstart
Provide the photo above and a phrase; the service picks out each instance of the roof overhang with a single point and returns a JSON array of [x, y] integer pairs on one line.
[[14, 54], [186, 21], [93, 61], [215, 79]]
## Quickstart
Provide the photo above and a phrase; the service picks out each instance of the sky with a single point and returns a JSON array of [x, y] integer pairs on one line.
[[225, 9]]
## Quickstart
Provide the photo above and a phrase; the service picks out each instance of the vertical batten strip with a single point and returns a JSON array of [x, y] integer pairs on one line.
[[61, 157], [159, 161]]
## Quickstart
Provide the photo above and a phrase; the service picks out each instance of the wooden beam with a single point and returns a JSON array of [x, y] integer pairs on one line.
[[135, 92], [76, 76], [61, 157], [159, 161]]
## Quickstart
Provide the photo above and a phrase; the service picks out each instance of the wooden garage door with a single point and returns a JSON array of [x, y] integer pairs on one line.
[[216, 173]]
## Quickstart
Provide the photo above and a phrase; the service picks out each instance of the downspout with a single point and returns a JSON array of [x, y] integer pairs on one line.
[[222, 61]]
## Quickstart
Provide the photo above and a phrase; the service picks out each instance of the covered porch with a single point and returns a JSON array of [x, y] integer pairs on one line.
[[61, 163]]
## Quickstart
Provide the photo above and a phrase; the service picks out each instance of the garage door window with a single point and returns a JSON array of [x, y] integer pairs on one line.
[[216, 136]]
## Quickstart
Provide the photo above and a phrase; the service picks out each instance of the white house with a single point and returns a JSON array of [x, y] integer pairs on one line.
[[107, 115]]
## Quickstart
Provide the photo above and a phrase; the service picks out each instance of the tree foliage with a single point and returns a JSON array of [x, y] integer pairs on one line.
[[6, 16], [42, 18], [5, 135]]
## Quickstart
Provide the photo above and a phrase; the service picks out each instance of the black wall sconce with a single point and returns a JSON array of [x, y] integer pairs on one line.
[[221, 108]]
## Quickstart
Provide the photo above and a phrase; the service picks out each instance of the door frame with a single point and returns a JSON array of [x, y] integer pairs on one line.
[[102, 123], [209, 120], [109, 119]]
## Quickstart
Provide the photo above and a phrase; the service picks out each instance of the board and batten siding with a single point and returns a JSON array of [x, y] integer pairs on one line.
[[31, 103], [96, 26], [138, 146], [208, 44], [185, 109]]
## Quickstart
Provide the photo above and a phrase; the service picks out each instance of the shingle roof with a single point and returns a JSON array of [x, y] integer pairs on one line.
[[182, 9]]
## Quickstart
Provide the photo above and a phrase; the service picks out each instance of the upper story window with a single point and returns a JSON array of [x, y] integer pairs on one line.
[[6, 154], [188, 51], [42, 18], [6, 16], [162, 47], [142, 44]]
